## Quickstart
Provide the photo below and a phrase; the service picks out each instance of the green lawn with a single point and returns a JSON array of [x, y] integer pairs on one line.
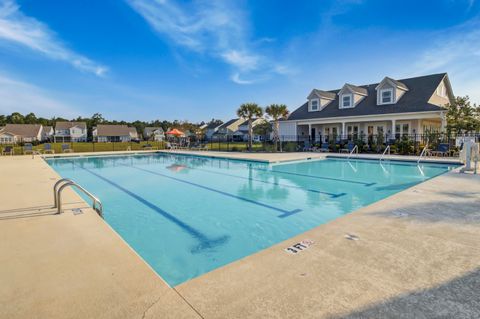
[[94, 147]]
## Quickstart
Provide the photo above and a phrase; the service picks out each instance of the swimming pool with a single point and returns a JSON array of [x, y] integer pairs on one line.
[[187, 215]]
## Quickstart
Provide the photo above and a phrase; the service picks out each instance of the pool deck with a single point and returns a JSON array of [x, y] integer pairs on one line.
[[417, 256]]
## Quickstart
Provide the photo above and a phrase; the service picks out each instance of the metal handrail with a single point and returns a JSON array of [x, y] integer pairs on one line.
[[385, 151], [97, 204], [355, 148], [424, 151], [55, 190]]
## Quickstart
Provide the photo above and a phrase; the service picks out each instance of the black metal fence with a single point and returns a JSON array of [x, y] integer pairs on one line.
[[407, 144]]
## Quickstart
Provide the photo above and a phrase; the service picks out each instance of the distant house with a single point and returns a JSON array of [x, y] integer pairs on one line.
[[211, 129], [47, 133], [228, 128], [114, 133], [154, 134], [16, 133], [242, 133], [70, 132], [391, 108]]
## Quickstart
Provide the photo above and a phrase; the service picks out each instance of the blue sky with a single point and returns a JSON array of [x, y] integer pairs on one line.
[[195, 60]]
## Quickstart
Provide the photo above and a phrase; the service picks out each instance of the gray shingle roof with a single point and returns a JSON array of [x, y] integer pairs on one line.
[[67, 125], [24, 130], [114, 130], [324, 94], [356, 89], [420, 89], [228, 123]]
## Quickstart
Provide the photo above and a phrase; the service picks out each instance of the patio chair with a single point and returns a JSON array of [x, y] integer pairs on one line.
[[147, 147], [66, 148], [324, 148], [8, 150], [307, 147], [27, 148], [47, 148], [443, 149], [348, 149], [170, 146]]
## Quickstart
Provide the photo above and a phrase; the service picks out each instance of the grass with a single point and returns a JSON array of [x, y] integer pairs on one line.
[[81, 147]]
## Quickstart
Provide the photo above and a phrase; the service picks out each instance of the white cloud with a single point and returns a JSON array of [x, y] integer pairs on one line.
[[456, 51], [17, 28], [23, 97], [215, 28]]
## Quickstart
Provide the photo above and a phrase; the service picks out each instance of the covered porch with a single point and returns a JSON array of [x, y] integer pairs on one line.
[[367, 128]]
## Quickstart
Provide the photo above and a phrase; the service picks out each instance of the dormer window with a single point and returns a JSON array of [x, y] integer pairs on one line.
[[386, 96], [390, 91], [314, 105], [347, 101]]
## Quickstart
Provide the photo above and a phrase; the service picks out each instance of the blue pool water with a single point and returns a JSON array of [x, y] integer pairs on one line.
[[187, 215]]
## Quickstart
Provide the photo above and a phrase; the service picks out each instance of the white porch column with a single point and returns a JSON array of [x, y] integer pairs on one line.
[[443, 126], [310, 131], [343, 130], [393, 129]]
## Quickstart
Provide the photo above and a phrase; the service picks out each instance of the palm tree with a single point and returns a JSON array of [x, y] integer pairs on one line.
[[276, 112], [249, 111]]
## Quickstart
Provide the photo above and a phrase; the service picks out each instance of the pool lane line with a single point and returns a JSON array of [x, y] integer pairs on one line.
[[332, 195], [248, 200], [205, 242], [317, 177]]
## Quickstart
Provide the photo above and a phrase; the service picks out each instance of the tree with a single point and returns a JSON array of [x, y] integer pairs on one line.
[[462, 116], [276, 112], [15, 118], [249, 111], [30, 118]]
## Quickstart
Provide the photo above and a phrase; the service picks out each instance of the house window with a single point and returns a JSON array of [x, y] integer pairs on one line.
[[386, 96], [314, 105], [347, 101]]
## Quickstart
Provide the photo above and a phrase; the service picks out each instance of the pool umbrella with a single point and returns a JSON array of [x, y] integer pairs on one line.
[[175, 132]]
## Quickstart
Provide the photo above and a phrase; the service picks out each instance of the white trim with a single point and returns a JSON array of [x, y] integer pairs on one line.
[[310, 109], [380, 96], [352, 103], [366, 118]]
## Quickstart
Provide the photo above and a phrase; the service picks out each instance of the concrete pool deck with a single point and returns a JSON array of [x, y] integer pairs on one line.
[[417, 256]]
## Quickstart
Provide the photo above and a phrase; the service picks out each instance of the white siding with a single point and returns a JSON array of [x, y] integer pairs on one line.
[[288, 130]]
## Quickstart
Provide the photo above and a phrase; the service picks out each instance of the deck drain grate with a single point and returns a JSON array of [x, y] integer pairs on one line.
[[352, 237], [77, 211]]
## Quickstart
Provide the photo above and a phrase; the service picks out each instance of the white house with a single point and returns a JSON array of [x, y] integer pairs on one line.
[[16, 133], [153, 134], [47, 133], [211, 129], [228, 128], [114, 133], [391, 107], [70, 132], [241, 134]]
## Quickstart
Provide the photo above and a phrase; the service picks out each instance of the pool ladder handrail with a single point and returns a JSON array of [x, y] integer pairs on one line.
[[355, 148], [423, 153], [384, 152], [66, 182]]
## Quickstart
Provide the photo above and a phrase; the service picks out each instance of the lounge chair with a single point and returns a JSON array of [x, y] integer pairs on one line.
[[66, 148], [27, 148], [147, 147], [443, 149], [171, 146], [8, 150], [47, 148], [199, 147], [307, 147], [348, 149], [324, 148]]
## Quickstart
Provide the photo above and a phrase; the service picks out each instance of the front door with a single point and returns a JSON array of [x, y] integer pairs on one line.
[[313, 133]]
